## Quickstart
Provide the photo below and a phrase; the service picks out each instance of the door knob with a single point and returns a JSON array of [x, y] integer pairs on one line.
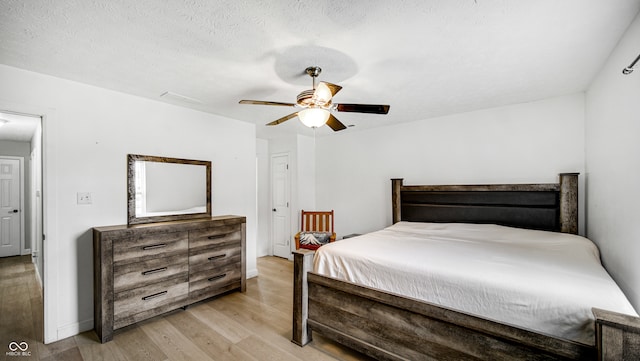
[[274, 209], [14, 211]]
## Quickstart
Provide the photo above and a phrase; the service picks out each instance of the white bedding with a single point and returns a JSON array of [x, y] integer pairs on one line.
[[544, 281], [193, 210]]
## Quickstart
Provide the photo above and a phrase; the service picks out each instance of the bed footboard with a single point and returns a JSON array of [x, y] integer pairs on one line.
[[617, 336], [302, 264]]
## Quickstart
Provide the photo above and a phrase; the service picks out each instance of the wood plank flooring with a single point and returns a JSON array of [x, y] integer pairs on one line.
[[20, 309], [255, 325]]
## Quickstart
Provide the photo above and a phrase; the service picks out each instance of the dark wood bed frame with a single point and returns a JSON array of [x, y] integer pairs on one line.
[[391, 327]]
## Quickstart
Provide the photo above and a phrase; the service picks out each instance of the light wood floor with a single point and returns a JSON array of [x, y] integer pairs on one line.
[[255, 325], [20, 307]]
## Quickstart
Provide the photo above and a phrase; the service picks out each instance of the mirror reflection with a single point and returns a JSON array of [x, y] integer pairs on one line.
[[169, 188]]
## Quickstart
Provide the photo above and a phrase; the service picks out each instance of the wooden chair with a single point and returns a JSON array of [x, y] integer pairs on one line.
[[315, 221]]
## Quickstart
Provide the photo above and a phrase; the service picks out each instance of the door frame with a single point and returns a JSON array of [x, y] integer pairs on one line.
[[21, 193], [48, 147], [288, 191]]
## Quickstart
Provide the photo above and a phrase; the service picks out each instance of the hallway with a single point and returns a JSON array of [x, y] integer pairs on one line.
[[20, 309]]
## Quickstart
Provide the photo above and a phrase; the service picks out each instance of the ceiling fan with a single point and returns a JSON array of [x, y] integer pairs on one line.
[[317, 105]]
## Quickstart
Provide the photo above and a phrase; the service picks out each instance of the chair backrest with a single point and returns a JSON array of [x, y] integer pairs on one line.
[[316, 221]]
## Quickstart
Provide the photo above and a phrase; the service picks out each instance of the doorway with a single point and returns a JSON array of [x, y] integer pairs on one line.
[[280, 194], [21, 158]]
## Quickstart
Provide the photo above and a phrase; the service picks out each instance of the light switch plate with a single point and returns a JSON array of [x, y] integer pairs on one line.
[[84, 197]]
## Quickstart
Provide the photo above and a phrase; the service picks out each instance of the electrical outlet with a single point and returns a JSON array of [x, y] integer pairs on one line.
[[84, 197]]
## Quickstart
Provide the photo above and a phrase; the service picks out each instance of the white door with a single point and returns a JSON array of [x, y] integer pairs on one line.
[[9, 207], [280, 224]]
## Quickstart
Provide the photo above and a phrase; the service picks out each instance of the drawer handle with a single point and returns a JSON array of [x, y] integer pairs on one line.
[[216, 236], [150, 272], [217, 257], [155, 295], [216, 277], [155, 246]]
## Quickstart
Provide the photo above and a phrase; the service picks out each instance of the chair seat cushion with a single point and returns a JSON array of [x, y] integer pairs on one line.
[[314, 240]]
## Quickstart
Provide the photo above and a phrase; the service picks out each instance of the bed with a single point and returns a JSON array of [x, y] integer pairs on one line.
[[354, 306]]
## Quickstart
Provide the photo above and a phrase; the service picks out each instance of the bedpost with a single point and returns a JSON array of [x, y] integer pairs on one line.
[[396, 185], [302, 263], [569, 202], [617, 336]]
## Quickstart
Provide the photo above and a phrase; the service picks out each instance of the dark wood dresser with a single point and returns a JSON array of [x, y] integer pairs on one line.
[[144, 270]]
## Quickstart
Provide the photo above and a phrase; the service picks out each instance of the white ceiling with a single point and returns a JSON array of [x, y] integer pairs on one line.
[[425, 58], [18, 127]]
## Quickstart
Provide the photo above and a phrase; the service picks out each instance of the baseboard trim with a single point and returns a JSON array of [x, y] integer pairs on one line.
[[74, 329], [252, 273]]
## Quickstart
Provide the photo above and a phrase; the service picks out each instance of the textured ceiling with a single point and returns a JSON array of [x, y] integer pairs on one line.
[[425, 58]]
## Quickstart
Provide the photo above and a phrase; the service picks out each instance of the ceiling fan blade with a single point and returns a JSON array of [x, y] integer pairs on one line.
[[283, 119], [262, 102], [335, 124], [363, 108]]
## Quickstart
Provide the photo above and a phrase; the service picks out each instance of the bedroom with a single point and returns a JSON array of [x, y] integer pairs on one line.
[[91, 129]]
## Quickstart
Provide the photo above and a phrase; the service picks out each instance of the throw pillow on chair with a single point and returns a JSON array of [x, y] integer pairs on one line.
[[313, 240]]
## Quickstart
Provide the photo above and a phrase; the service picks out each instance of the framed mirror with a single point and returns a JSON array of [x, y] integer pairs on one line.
[[167, 189]]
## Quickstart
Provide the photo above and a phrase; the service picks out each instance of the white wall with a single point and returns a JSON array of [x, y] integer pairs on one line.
[[306, 170], [612, 164], [263, 237], [88, 132], [528, 143]]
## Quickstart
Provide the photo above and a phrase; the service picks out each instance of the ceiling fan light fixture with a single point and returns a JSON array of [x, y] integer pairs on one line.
[[313, 117], [322, 95]]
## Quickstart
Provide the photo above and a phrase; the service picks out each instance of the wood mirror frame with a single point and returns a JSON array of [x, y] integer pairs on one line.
[[132, 218]]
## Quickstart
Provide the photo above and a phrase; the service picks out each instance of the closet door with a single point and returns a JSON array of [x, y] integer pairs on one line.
[[280, 224], [9, 207]]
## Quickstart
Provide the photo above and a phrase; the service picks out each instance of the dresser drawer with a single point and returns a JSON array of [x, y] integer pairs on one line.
[[138, 274], [214, 258], [149, 246], [215, 237], [211, 282], [140, 303]]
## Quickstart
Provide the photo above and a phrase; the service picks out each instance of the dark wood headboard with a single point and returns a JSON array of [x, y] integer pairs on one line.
[[546, 206]]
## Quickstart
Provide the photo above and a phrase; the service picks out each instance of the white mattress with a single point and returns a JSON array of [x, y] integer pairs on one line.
[[544, 281]]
